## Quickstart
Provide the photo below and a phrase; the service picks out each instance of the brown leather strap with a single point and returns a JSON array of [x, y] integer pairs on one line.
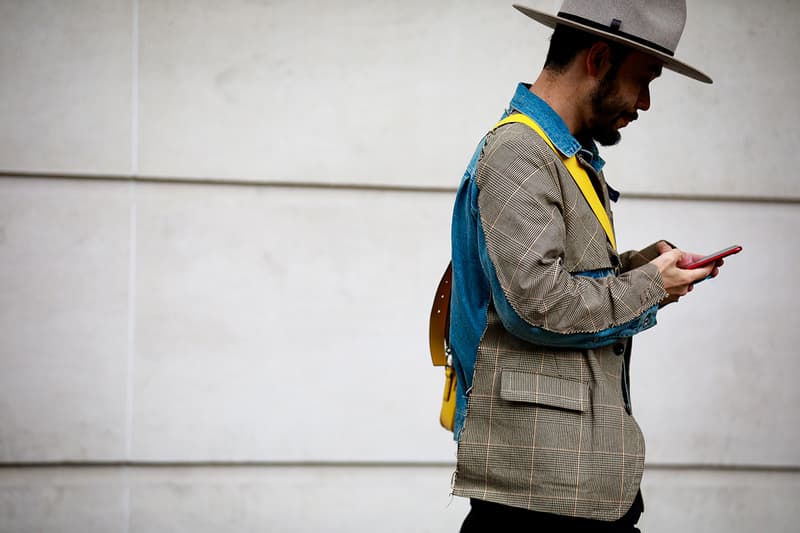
[[440, 319]]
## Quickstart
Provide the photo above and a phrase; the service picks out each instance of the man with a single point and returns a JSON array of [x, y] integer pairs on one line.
[[543, 306]]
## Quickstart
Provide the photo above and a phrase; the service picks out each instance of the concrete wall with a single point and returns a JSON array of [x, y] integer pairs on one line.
[[221, 225]]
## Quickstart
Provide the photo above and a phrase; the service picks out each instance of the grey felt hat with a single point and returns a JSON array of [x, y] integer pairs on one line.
[[652, 26]]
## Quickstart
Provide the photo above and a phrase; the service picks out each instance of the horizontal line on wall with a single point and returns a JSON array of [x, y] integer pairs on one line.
[[372, 187], [792, 469], [234, 182], [709, 198]]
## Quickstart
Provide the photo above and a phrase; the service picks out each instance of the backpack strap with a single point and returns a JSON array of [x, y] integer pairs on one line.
[[440, 319], [575, 169], [440, 349]]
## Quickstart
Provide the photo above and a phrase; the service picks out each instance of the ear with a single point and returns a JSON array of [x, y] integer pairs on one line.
[[598, 60]]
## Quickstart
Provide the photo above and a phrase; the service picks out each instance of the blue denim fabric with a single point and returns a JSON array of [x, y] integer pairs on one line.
[[475, 282], [527, 103]]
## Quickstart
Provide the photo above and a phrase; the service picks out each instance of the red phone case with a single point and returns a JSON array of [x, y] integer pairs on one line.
[[713, 258]]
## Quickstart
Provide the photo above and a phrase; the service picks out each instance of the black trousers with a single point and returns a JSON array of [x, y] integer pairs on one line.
[[488, 517]]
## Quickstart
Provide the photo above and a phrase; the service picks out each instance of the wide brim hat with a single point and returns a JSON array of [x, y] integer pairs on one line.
[[651, 26]]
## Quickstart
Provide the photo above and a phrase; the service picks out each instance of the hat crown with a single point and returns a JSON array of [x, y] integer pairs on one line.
[[659, 22]]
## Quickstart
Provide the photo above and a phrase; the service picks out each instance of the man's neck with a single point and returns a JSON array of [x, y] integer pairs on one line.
[[564, 96]]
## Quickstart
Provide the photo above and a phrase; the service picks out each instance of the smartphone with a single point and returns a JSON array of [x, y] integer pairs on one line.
[[713, 258]]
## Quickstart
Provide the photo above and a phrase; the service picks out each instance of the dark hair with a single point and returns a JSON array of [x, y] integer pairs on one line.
[[567, 42]]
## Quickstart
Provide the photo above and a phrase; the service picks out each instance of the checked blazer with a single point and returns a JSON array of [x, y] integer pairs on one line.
[[550, 429]]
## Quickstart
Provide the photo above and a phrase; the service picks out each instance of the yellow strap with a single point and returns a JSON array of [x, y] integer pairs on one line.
[[575, 169]]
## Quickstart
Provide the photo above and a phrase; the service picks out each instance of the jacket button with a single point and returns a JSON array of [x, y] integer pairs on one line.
[[619, 348]]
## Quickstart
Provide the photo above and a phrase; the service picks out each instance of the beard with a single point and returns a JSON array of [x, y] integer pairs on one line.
[[607, 109]]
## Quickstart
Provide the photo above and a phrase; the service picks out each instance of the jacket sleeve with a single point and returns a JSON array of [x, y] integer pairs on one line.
[[522, 232], [638, 258]]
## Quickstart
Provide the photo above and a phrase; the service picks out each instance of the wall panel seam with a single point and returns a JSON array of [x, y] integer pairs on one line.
[[786, 469], [342, 186], [134, 170]]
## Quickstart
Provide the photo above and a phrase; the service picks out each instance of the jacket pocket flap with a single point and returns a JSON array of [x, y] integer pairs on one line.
[[544, 390]]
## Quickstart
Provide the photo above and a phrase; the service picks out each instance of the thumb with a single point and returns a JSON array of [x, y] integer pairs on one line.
[[673, 254], [667, 260], [663, 247]]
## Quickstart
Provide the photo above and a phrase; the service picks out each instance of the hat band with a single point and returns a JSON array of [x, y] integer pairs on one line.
[[614, 28]]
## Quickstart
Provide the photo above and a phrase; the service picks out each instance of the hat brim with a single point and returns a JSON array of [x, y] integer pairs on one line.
[[669, 62]]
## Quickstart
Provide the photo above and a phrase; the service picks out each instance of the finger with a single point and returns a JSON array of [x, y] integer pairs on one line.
[[663, 247], [674, 254], [678, 291], [689, 258], [699, 273]]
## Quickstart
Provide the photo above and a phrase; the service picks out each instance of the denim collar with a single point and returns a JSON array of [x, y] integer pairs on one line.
[[527, 103]]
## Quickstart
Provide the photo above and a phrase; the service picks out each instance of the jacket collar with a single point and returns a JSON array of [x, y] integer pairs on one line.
[[524, 101]]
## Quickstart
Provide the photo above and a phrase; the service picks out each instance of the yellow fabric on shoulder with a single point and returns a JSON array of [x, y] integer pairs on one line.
[[575, 169]]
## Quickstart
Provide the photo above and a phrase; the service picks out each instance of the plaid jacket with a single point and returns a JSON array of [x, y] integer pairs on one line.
[[550, 429]]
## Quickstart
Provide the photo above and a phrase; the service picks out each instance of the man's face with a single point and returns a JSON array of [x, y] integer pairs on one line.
[[622, 91]]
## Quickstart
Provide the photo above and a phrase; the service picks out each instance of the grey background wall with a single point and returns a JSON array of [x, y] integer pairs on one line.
[[221, 225]]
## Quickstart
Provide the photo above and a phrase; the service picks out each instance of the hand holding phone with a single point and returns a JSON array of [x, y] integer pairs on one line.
[[713, 258]]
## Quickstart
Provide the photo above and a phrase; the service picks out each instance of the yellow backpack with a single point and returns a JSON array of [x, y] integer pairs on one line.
[[440, 349]]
